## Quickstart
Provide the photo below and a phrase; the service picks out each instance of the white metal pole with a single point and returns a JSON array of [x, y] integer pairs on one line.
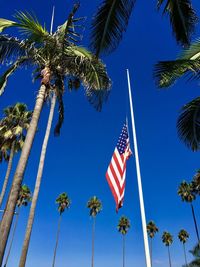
[[52, 19], [142, 210]]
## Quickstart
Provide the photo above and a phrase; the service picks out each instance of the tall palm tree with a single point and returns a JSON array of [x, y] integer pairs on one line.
[[13, 129], [152, 229], [167, 240], [95, 206], [186, 193], [183, 237], [63, 202], [23, 200], [57, 59], [182, 18], [166, 74], [123, 227]]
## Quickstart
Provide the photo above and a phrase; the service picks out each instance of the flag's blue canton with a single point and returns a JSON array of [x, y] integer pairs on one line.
[[122, 142]]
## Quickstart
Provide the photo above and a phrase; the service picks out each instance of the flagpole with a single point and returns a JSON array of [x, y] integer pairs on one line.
[[142, 210]]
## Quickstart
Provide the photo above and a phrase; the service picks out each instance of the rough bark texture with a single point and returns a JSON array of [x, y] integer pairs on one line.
[[37, 186], [57, 238], [12, 239], [18, 177], [3, 191]]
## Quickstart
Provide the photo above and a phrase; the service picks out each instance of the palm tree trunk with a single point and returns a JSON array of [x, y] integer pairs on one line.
[[195, 223], [123, 238], [170, 264], [151, 249], [57, 238], [93, 235], [3, 191], [18, 177], [185, 255], [37, 185], [13, 235]]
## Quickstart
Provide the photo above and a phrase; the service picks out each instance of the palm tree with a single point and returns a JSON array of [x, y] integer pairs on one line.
[[152, 229], [63, 202], [167, 239], [196, 183], [182, 18], [183, 237], [196, 261], [95, 206], [57, 59], [186, 193], [166, 74], [23, 200], [123, 227], [13, 129]]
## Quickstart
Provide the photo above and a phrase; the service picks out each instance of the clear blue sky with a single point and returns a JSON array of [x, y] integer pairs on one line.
[[76, 161]]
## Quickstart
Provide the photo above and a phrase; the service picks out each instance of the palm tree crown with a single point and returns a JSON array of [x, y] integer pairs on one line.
[[183, 236], [95, 206], [24, 196], [63, 202], [152, 229], [185, 191], [167, 238], [196, 183], [123, 225]]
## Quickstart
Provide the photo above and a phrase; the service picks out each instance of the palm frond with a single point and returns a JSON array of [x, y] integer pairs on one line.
[[167, 72], [92, 73], [4, 23], [188, 124], [182, 18], [108, 25], [192, 52], [11, 70], [30, 27], [11, 47]]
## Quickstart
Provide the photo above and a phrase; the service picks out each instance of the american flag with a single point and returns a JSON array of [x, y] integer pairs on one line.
[[116, 172]]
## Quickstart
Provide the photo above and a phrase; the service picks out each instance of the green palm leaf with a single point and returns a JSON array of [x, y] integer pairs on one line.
[[188, 124], [109, 23], [91, 71], [6, 75], [182, 18], [4, 23]]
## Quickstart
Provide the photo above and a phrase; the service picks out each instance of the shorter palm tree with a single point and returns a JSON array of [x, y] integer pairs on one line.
[[95, 206], [183, 237], [23, 200], [63, 202], [13, 129], [167, 239], [123, 227], [152, 229], [186, 192]]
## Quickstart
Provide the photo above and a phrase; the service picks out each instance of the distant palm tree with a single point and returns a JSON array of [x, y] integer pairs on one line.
[[123, 227], [196, 183], [13, 129], [186, 193], [152, 229], [23, 199], [183, 237], [95, 206], [63, 202], [167, 239]]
